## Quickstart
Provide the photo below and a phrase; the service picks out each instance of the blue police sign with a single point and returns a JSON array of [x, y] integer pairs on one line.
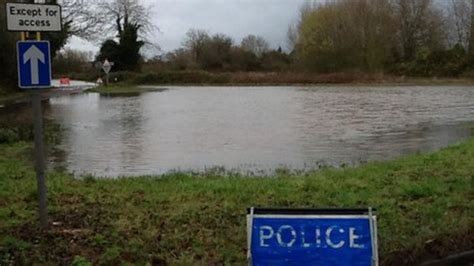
[[34, 64], [312, 237]]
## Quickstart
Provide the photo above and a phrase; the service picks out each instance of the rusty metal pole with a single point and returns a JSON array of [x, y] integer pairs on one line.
[[39, 154]]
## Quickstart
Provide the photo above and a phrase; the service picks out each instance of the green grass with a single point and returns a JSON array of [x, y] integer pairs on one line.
[[9, 95], [424, 202], [199, 78], [122, 89], [7, 99]]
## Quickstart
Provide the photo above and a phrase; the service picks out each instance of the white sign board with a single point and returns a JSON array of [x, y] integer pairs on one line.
[[33, 17], [107, 66]]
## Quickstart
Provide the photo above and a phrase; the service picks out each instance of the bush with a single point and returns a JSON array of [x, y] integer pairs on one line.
[[8, 136], [121, 76], [90, 75], [18, 126], [442, 63], [80, 261], [182, 77], [71, 61]]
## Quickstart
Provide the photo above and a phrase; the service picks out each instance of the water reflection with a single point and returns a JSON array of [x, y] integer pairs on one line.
[[260, 128]]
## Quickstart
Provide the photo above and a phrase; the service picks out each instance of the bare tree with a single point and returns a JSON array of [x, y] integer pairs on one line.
[[459, 19], [180, 59], [292, 37], [471, 37], [118, 13], [83, 19], [195, 41], [255, 44], [420, 25]]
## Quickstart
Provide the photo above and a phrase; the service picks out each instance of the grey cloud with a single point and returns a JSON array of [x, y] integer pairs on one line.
[[236, 18]]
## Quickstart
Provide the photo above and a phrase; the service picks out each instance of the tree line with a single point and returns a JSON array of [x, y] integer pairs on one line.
[[402, 37], [218, 52], [414, 37]]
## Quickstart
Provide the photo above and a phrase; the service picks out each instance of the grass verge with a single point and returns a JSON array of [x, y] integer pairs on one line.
[[9, 95], [425, 207], [122, 89], [195, 77]]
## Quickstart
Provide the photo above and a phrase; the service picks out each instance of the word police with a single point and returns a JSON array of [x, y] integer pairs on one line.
[[312, 237], [287, 236]]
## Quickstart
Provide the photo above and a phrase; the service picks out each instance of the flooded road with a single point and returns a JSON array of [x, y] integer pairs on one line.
[[256, 130]]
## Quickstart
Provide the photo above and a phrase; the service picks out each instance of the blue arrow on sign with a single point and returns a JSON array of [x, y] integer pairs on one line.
[[34, 64]]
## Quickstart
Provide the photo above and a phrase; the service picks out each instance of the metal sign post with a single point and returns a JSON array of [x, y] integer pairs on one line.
[[107, 66], [39, 154], [34, 72], [312, 237]]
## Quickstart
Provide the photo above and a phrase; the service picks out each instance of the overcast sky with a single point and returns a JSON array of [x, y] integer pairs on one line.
[[236, 18]]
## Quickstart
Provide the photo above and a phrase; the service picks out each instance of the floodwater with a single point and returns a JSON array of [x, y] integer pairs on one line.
[[256, 130]]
